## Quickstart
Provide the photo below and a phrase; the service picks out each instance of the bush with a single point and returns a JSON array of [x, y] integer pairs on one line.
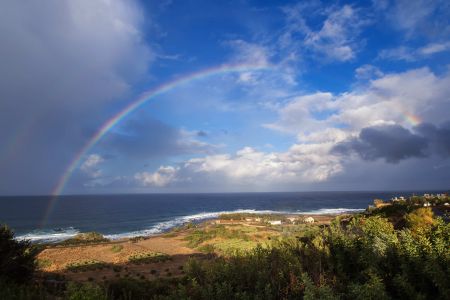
[[116, 248], [17, 258], [12, 291], [85, 238], [420, 219], [43, 263], [148, 257], [86, 265], [87, 291]]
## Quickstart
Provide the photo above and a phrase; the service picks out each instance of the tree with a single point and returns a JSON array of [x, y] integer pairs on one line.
[[420, 219], [17, 258]]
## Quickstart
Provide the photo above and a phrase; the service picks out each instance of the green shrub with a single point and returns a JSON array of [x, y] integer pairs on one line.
[[12, 291], [86, 291], [137, 239], [116, 248], [86, 265], [420, 219], [17, 258], [208, 248], [199, 236], [85, 238], [43, 263], [148, 257]]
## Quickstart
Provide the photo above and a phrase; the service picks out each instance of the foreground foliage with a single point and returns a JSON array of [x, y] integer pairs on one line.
[[17, 258], [365, 257]]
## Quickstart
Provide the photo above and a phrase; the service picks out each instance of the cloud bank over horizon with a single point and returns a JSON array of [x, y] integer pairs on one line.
[[353, 96]]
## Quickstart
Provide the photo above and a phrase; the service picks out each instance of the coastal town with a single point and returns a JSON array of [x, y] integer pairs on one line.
[[426, 200]]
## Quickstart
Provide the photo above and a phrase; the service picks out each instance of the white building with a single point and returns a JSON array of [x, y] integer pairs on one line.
[[292, 219], [275, 222], [309, 220]]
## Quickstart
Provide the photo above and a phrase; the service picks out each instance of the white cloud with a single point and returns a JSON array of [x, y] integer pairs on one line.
[[319, 121], [90, 165], [91, 161], [249, 53], [420, 17], [399, 53], [330, 135], [272, 73], [390, 99], [162, 177], [366, 72], [411, 54], [336, 40], [434, 48], [301, 163], [298, 115]]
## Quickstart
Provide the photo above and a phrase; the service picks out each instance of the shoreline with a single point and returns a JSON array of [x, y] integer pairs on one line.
[[320, 219], [169, 250], [54, 236]]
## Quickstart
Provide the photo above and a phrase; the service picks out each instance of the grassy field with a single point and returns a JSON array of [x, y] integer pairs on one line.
[[90, 256]]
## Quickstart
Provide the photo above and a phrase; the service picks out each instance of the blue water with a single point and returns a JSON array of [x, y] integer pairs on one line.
[[130, 215]]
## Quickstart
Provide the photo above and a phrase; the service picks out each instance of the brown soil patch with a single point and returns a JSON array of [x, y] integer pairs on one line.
[[116, 261]]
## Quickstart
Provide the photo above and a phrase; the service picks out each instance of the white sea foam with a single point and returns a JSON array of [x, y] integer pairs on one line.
[[331, 211], [66, 233], [49, 236], [165, 226]]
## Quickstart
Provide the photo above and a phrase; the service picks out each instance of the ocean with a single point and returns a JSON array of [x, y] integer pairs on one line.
[[119, 216]]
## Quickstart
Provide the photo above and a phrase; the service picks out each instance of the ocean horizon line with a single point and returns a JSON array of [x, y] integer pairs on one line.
[[233, 193]]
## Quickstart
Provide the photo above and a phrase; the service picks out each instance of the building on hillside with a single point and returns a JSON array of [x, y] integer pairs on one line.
[[397, 199], [292, 219], [426, 204], [275, 222], [309, 220]]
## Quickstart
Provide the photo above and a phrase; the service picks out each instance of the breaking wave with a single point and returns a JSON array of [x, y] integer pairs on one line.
[[57, 235], [49, 236]]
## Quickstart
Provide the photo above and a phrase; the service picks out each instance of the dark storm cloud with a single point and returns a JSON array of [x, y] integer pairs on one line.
[[145, 137], [60, 67], [390, 142], [438, 137]]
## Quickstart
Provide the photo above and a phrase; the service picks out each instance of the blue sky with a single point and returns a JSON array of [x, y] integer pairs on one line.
[[347, 95]]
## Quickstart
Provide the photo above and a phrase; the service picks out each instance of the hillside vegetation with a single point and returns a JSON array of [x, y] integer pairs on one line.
[[399, 252]]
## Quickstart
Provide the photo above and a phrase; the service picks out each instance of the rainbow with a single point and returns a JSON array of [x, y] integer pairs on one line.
[[412, 119], [136, 104]]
